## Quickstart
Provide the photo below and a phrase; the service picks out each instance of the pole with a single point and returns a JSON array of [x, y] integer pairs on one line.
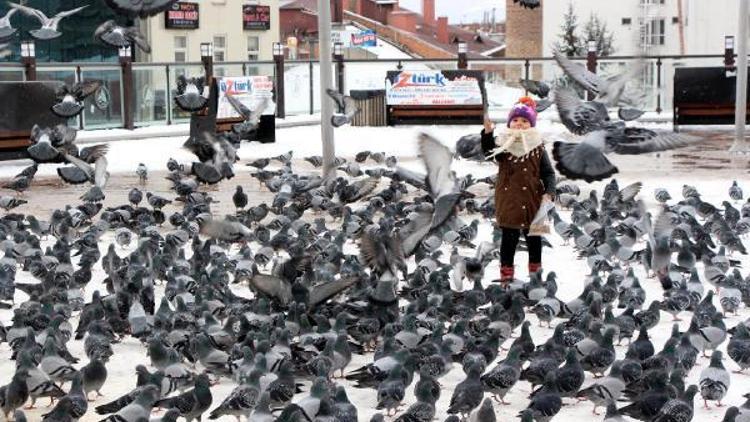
[[740, 107], [326, 83], [126, 61]]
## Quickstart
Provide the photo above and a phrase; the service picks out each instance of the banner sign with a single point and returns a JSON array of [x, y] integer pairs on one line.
[[365, 39], [256, 17], [182, 16], [434, 87], [250, 90]]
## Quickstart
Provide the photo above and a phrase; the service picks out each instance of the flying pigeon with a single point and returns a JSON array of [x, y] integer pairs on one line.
[[190, 94], [247, 129], [48, 31], [112, 34], [347, 108], [528, 4], [70, 98], [587, 159]]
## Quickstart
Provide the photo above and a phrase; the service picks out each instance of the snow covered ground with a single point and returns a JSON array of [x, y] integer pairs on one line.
[[654, 171]]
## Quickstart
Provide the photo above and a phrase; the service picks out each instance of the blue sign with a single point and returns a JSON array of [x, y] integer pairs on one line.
[[365, 39]]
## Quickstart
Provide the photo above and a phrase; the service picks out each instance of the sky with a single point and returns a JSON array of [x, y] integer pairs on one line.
[[459, 11]]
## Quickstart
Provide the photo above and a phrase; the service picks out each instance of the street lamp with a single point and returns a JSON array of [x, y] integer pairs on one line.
[[592, 46], [207, 50], [729, 53], [28, 49], [463, 49], [278, 49], [125, 52], [338, 49]]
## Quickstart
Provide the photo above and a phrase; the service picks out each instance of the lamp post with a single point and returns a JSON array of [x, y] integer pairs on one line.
[[592, 62], [338, 55], [28, 58], [729, 53], [126, 62], [463, 50], [278, 58], [326, 82], [741, 146]]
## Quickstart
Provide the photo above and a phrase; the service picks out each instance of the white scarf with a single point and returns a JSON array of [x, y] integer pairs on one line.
[[518, 143]]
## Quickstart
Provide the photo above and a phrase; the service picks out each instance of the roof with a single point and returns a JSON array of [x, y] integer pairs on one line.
[[299, 4], [476, 44]]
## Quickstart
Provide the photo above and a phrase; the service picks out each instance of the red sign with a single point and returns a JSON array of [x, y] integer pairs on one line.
[[182, 16], [256, 17]]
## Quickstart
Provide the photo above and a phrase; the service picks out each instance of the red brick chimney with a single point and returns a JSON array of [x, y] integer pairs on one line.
[[428, 11], [443, 36]]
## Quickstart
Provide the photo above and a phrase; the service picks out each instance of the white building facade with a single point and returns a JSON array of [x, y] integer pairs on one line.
[[240, 30], [654, 27]]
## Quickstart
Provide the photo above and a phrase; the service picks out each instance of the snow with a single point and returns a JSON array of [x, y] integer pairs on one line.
[[653, 171]]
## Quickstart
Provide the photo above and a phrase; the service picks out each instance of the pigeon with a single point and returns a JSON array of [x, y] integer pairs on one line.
[[714, 380], [6, 28], [528, 4], [578, 116], [142, 172], [587, 159], [48, 31], [239, 198], [190, 94], [468, 393], [193, 403], [606, 390], [608, 91], [139, 408], [69, 99], [440, 180], [143, 9], [9, 202], [735, 192], [738, 347], [538, 88], [346, 105], [678, 409], [114, 35], [248, 127], [14, 394], [504, 376]]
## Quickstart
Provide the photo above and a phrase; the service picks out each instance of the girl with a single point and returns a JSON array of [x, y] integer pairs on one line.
[[525, 179]]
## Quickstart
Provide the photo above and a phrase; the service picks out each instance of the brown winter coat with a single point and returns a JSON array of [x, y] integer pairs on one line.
[[521, 182]]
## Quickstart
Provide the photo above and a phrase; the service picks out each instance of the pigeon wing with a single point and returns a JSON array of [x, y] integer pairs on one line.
[[576, 71], [437, 159], [322, 292], [66, 13], [274, 287], [238, 106], [139, 7], [582, 161], [578, 116], [338, 98], [83, 89], [633, 140], [138, 39], [94, 152], [30, 11]]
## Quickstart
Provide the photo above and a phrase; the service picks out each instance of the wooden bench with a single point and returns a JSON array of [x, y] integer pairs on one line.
[[447, 114], [25, 104], [703, 96]]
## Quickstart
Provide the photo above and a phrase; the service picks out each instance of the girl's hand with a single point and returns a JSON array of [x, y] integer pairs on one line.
[[489, 127], [547, 197]]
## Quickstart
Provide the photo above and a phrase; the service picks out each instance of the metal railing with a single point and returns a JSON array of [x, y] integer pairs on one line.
[[155, 83]]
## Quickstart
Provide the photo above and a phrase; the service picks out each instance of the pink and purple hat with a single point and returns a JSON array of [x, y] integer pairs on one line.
[[526, 108]]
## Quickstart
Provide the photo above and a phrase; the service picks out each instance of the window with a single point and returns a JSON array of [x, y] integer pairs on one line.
[[220, 48], [627, 21], [675, 19], [253, 48], [180, 48], [653, 32]]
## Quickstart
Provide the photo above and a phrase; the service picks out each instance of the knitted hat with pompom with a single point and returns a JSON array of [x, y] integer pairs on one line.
[[526, 108]]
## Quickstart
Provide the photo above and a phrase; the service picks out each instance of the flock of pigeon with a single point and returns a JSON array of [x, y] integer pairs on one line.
[[380, 263]]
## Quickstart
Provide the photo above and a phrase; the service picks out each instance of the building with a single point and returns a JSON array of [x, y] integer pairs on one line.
[[76, 43], [655, 27], [240, 31]]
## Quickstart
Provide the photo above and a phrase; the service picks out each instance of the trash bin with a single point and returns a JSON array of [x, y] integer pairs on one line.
[[371, 103]]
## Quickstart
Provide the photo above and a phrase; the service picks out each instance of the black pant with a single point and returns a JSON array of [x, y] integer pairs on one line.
[[509, 243]]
